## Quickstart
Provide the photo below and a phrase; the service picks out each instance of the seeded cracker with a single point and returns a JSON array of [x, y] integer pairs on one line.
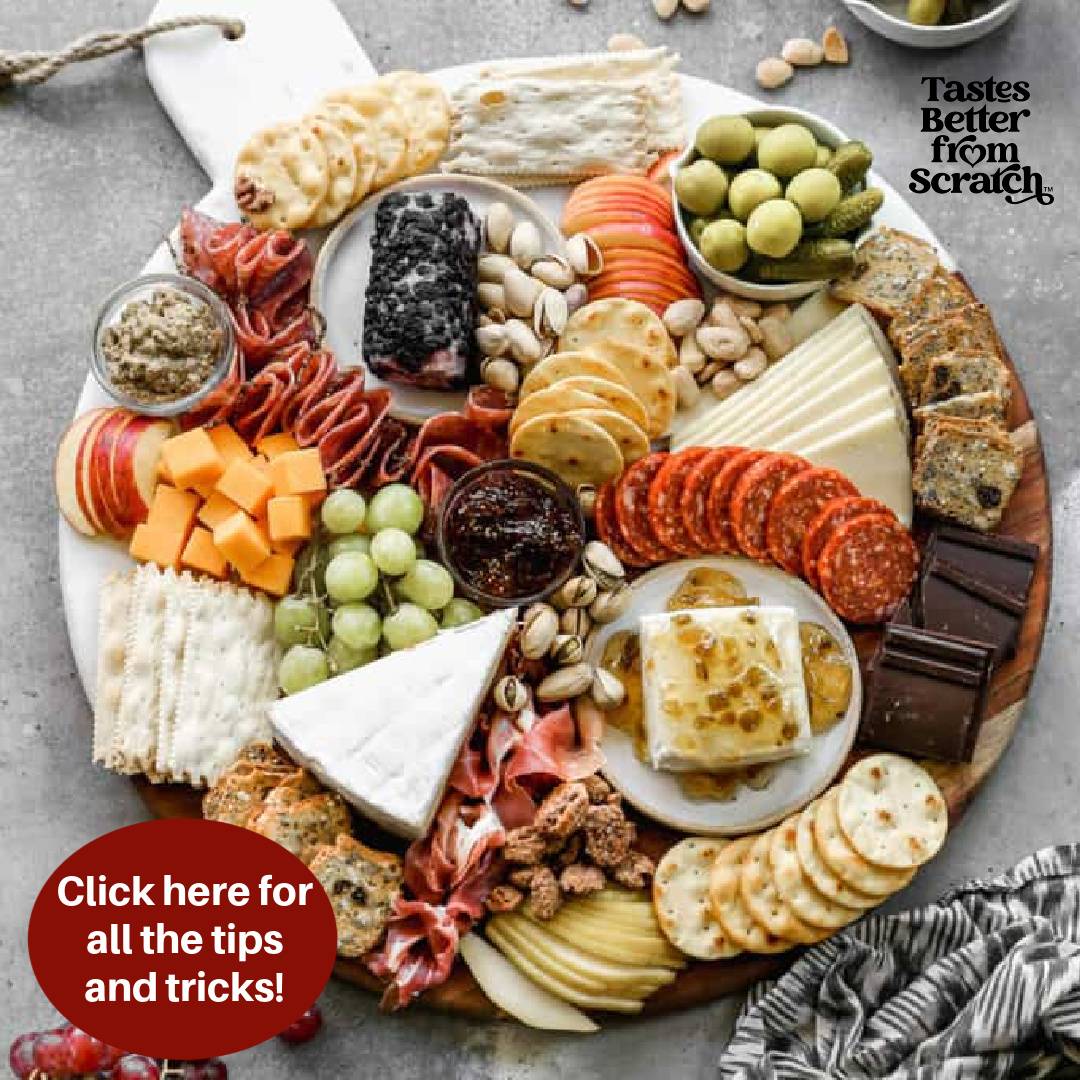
[[987, 405], [940, 294], [963, 372], [114, 604], [302, 824]]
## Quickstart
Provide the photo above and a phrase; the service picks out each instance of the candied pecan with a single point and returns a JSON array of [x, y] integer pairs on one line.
[[544, 897], [563, 810], [251, 196], [597, 787], [608, 835], [571, 852], [580, 879], [524, 846], [504, 898], [522, 878], [635, 871]]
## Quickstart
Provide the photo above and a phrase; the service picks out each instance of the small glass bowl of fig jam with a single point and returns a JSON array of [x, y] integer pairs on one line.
[[510, 533]]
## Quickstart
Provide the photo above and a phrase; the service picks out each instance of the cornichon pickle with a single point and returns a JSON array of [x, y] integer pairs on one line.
[[850, 163], [925, 12], [809, 261], [851, 213]]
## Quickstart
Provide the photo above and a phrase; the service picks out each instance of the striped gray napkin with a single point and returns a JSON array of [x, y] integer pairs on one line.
[[983, 984]]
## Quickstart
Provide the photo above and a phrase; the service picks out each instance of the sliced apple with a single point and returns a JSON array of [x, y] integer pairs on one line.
[[556, 986], [101, 485], [650, 274], [636, 234], [625, 185], [133, 465], [517, 995], [93, 510], [66, 474], [581, 219], [657, 262], [660, 173], [599, 938]]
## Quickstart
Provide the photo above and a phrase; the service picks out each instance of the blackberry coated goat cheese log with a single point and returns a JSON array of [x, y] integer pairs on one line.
[[420, 309]]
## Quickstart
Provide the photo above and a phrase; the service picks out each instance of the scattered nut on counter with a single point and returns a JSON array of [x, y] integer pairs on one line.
[[835, 46], [802, 52], [667, 8], [774, 71]]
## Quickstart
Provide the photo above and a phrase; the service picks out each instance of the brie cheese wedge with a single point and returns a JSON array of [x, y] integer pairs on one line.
[[386, 736], [723, 687]]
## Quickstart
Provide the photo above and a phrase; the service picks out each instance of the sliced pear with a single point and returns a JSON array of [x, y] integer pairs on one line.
[[616, 892], [572, 961], [557, 986], [615, 944], [620, 914], [512, 992]]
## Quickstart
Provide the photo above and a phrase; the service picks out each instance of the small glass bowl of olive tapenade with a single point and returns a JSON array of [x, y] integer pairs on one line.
[[161, 343], [510, 533]]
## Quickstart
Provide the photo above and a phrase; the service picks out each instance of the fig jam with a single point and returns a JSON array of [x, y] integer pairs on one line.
[[508, 534]]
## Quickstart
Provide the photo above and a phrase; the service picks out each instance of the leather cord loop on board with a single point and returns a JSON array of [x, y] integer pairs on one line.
[[34, 68]]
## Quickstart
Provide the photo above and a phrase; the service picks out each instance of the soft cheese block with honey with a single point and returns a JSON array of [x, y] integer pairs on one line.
[[723, 687]]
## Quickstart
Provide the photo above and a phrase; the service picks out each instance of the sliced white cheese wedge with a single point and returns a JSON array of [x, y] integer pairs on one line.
[[813, 315], [860, 400], [873, 454], [385, 736]]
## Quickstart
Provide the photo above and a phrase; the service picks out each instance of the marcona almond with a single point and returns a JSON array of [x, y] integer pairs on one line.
[[665, 8], [751, 365], [725, 383], [696, 6], [802, 52], [720, 343], [772, 73]]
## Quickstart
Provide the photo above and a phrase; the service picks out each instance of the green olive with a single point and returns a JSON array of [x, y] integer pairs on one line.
[[925, 12], [727, 139], [750, 189], [774, 228], [824, 156], [723, 244], [815, 192], [697, 226], [701, 187], [787, 150]]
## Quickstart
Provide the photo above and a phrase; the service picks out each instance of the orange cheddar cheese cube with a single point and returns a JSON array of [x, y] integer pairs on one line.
[[192, 458], [242, 542], [286, 547], [204, 491], [263, 465], [246, 484], [157, 544], [275, 445], [201, 554], [216, 509], [172, 509], [229, 445], [272, 575], [298, 472], [288, 518]]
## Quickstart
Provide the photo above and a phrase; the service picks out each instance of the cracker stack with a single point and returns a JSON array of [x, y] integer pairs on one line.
[[186, 670], [814, 873], [954, 375]]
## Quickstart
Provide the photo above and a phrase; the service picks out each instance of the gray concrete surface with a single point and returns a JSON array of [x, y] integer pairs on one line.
[[91, 177]]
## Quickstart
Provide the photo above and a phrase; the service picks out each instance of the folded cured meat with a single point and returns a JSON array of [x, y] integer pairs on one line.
[[420, 309]]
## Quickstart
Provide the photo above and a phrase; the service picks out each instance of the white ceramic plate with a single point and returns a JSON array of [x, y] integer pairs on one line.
[[887, 18], [343, 268], [795, 781]]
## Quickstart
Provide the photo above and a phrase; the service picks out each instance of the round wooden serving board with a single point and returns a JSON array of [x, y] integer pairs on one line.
[[182, 74]]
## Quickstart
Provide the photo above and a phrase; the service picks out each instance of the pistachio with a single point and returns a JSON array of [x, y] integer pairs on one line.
[[720, 343], [586, 497], [501, 374], [584, 255], [753, 331], [511, 694], [579, 591], [567, 682], [539, 626], [567, 649], [690, 355], [624, 43], [491, 297], [751, 365], [575, 620], [610, 605], [772, 73], [607, 690], [526, 245], [525, 346], [577, 296], [551, 313], [498, 225], [553, 270], [491, 339], [493, 267], [684, 316], [687, 390], [602, 565], [725, 383], [521, 292]]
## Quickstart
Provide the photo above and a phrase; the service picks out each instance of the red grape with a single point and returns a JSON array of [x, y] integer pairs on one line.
[[304, 1027], [136, 1067], [21, 1055], [85, 1053], [51, 1053]]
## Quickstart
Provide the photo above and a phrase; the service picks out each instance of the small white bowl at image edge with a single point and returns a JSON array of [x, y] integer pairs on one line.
[[828, 135], [886, 17]]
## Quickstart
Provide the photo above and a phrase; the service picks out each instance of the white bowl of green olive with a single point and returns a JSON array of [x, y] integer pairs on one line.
[[768, 203], [933, 24]]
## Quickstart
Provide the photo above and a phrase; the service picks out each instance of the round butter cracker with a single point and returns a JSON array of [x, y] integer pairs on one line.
[[632, 441], [579, 451], [613, 395], [567, 365], [649, 377], [892, 812], [426, 111], [814, 867], [763, 902], [343, 171], [385, 139], [555, 399], [681, 898], [282, 176], [795, 888], [356, 127], [727, 905]]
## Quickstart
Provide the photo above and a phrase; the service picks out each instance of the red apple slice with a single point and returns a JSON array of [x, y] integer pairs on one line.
[[100, 472], [128, 510], [628, 207], [84, 471], [66, 474], [663, 273], [661, 260], [636, 234], [660, 173], [622, 182], [636, 290], [134, 465], [583, 219]]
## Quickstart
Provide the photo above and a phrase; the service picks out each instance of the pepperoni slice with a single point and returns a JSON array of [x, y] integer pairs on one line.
[[665, 501], [719, 501], [607, 527], [753, 495], [832, 515], [632, 509], [867, 568], [794, 506], [694, 502]]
